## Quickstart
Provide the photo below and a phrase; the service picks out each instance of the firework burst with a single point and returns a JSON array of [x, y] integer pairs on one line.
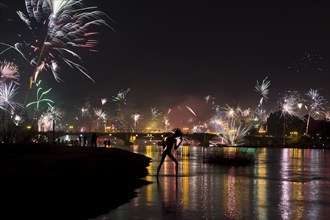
[[263, 89], [315, 106], [58, 26], [99, 113], [45, 122], [121, 96], [230, 125], [290, 102], [136, 118], [9, 71], [7, 92], [155, 113]]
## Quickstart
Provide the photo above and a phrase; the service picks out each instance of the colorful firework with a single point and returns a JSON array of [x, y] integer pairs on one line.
[[40, 97], [58, 26], [9, 71], [234, 134], [230, 130]]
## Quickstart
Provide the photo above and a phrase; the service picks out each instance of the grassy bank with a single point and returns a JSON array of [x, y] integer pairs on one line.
[[60, 182]]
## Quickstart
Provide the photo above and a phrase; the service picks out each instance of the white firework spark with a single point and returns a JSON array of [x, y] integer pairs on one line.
[[121, 96], [263, 88], [45, 122], [230, 130], [314, 106], [315, 103], [234, 134], [209, 98], [136, 118], [104, 100], [230, 112], [155, 113], [9, 70], [7, 92], [289, 103], [191, 110], [99, 113], [85, 110]]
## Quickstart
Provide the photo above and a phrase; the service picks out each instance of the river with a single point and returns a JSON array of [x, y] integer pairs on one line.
[[284, 183]]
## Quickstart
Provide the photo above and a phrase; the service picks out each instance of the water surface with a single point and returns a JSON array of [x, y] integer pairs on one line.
[[282, 184]]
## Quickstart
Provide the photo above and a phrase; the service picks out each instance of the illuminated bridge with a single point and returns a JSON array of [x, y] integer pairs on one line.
[[129, 136]]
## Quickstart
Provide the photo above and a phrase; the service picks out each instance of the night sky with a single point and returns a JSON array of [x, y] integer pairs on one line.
[[172, 53]]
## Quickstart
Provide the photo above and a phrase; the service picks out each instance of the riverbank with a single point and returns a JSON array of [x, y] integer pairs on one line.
[[61, 182]]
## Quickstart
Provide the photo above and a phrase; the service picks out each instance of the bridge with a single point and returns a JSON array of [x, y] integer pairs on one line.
[[129, 136]]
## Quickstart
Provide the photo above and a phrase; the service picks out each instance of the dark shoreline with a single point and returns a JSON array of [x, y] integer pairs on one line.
[[63, 182]]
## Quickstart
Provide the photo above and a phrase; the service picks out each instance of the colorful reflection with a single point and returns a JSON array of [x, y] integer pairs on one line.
[[282, 184]]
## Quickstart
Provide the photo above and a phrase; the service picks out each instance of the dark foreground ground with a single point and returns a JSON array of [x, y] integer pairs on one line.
[[60, 182]]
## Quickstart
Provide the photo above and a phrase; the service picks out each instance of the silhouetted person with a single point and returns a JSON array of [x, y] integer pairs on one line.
[[79, 141], [170, 142], [93, 140], [109, 143]]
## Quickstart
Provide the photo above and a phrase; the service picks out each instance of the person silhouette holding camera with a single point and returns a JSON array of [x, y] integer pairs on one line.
[[169, 142]]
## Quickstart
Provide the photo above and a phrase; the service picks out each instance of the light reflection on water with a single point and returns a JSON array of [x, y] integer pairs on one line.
[[283, 184]]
